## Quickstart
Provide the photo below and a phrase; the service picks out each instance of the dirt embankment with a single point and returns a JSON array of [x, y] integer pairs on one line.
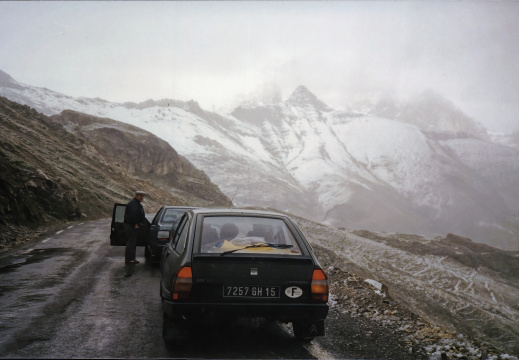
[[366, 322]]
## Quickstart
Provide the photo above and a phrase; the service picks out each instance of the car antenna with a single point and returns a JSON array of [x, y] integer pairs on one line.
[[233, 198]]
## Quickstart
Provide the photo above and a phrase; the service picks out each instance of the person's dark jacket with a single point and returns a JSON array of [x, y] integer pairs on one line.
[[134, 213]]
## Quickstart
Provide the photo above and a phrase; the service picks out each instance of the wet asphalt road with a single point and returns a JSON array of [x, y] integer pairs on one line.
[[71, 295]]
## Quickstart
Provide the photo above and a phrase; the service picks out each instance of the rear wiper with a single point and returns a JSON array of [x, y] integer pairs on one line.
[[272, 245]]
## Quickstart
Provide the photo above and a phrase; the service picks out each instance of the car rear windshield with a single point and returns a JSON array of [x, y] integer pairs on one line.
[[246, 234], [172, 215]]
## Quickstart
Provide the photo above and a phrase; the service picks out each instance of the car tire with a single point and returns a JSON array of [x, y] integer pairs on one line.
[[168, 328], [175, 330], [300, 329]]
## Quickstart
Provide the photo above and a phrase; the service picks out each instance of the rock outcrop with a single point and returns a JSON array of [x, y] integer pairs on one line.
[[49, 175]]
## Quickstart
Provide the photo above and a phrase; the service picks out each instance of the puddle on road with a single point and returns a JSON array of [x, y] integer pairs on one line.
[[33, 256], [36, 269]]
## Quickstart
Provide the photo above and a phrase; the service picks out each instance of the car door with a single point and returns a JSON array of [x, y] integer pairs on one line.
[[155, 226], [117, 236], [172, 253]]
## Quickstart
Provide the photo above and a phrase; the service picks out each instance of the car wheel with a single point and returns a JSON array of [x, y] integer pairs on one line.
[[168, 328], [174, 330], [301, 332]]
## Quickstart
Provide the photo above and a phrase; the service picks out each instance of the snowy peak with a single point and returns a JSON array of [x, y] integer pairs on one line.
[[7, 81], [303, 97], [194, 107], [429, 111]]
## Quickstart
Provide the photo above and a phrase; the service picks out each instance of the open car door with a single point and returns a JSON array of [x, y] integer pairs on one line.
[[117, 236]]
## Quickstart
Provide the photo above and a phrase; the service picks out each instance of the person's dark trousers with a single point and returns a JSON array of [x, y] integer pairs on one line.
[[131, 242]]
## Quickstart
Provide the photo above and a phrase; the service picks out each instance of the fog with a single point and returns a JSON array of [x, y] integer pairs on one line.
[[223, 53]]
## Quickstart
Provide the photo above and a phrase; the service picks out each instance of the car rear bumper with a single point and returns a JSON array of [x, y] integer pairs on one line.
[[281, 312]]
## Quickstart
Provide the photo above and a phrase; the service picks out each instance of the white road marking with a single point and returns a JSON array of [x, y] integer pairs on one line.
[[26, 251], [316, 350], [313, 348]]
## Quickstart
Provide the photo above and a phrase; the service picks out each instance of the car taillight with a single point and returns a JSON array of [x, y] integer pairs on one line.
[[319, 286], [183, 284]]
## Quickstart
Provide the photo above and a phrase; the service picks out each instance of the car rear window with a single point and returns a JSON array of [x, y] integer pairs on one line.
[[172, 215], [246, 234]]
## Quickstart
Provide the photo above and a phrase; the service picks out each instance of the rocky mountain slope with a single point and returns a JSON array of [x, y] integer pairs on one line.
[[421, 166], [144, 155], [454, 286], [49, 175], [370, 323]]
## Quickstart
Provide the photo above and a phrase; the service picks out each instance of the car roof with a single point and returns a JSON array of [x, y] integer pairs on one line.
[[179, 207], [231, 212]]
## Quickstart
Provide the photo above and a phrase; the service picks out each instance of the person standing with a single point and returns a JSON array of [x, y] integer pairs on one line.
[[133, 218]]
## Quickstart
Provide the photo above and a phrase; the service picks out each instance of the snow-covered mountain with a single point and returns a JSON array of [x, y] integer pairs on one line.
[[429, 111], [421, 167]]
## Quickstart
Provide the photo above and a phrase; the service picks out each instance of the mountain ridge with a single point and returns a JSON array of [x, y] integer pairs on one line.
[[302, 96], [352, 169]]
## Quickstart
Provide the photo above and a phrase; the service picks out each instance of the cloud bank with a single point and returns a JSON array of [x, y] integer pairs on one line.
[[219, 53]]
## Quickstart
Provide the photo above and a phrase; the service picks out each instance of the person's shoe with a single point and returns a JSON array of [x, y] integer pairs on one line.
[[132, 262]]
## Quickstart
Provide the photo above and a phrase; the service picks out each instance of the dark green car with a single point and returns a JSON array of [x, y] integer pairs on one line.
[[163, 224], [153, 236], [222, 264]]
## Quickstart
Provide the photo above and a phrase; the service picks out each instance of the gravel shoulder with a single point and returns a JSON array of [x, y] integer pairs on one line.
[[367, 323]]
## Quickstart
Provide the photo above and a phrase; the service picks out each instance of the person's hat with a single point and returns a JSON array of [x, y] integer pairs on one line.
[[140, 193]]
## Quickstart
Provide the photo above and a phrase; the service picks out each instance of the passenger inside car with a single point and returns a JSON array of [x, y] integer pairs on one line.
[[245, 234], [228, 232], [210, 236]]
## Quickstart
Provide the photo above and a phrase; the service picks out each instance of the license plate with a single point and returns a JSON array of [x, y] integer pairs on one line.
[[256, 291]]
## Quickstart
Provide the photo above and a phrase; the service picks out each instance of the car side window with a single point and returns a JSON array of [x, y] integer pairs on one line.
[[119, 213], [182, 239], [179, 231], [157, 215]]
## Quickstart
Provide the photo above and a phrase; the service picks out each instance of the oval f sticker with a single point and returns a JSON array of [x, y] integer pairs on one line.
[[293, 292]]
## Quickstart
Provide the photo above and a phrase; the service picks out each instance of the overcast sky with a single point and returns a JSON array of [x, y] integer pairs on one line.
[[219, 52]]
